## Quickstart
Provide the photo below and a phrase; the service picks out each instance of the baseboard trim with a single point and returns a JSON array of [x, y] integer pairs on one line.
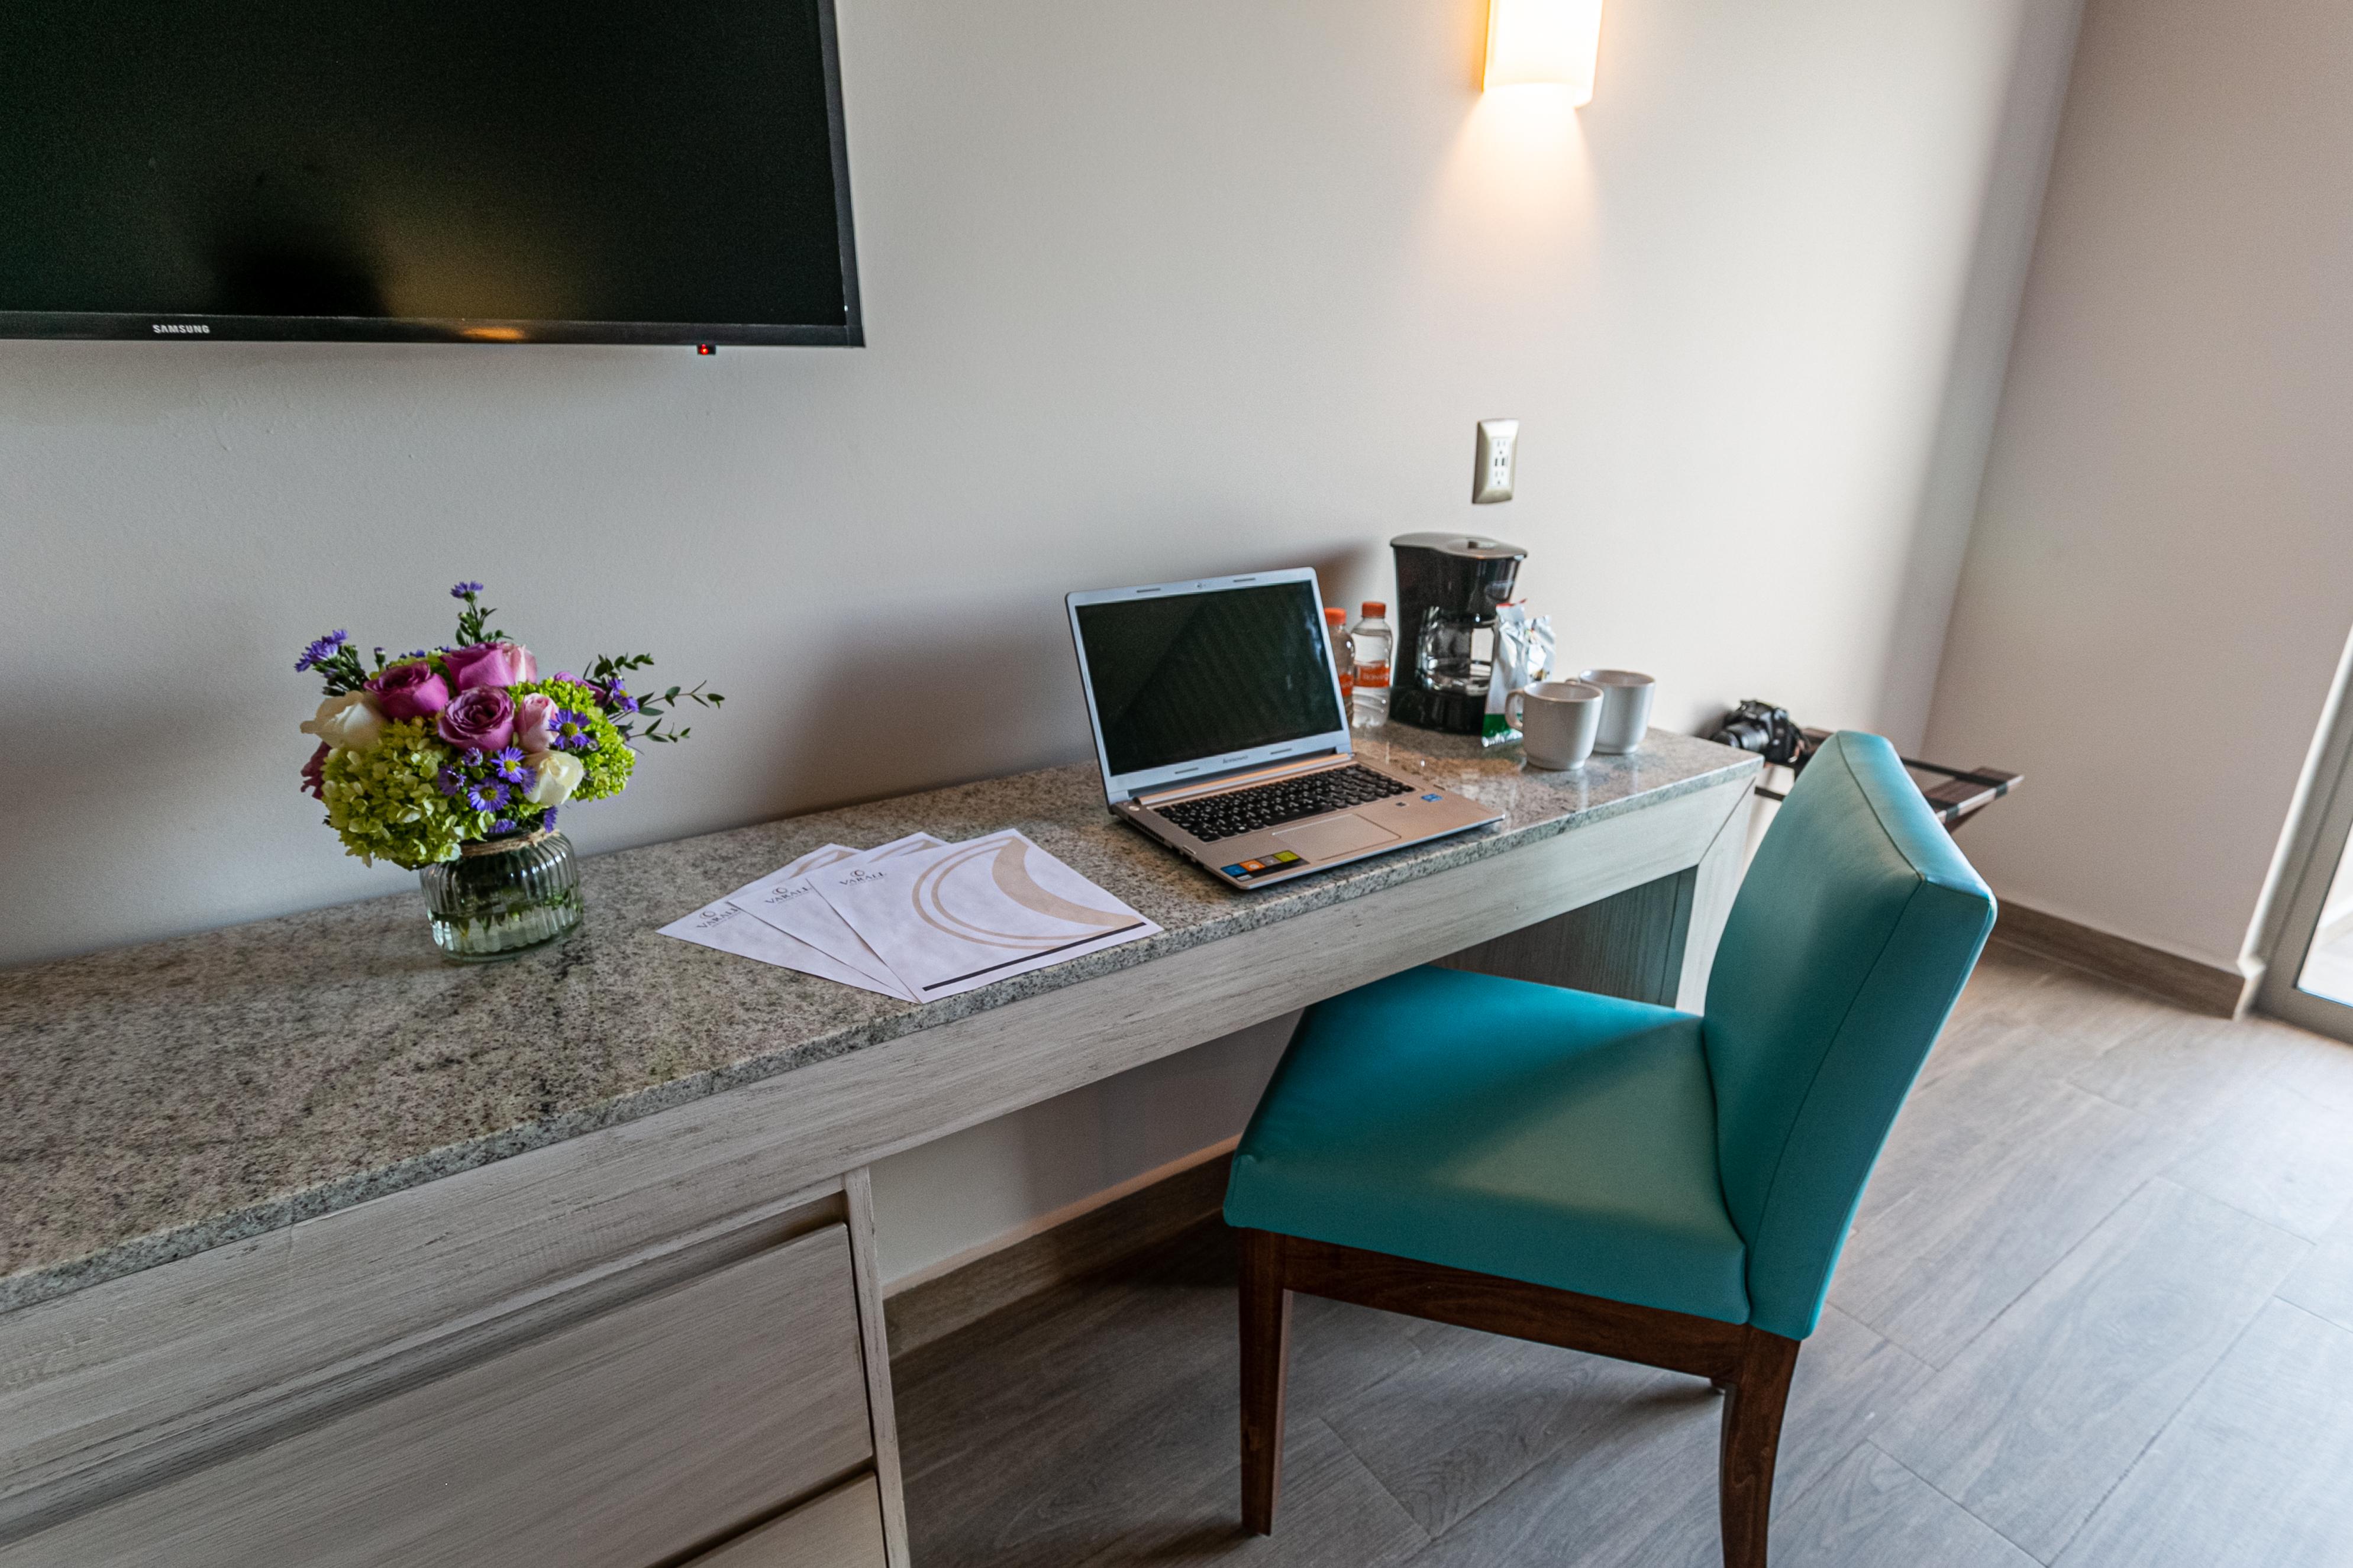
[[1079, 1239], [2189, 983]]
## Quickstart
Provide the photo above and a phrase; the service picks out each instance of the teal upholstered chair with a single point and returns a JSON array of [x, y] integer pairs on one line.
[[1611, 1176]]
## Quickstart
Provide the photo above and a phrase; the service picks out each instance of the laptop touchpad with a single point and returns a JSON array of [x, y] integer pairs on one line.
[[1332, 836]]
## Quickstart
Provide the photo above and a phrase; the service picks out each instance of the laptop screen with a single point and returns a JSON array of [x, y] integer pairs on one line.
[[1180, 676]]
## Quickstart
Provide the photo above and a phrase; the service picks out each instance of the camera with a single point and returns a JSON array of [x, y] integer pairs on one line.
[[1765, 729]]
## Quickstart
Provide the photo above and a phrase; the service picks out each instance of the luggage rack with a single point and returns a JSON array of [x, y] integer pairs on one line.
[[1958, 795]]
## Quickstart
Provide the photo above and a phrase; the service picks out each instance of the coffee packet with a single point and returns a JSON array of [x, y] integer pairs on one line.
[[1523, 651]]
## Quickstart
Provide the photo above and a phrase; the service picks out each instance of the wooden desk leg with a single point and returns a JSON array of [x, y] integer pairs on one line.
[[857, 1195], [1712, 892], [1266, 1355]]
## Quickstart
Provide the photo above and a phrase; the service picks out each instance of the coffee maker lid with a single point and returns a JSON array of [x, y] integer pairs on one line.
[[1469, 546]]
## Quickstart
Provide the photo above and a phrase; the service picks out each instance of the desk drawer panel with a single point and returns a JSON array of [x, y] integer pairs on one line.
[[612, 1444], [843, 1529]]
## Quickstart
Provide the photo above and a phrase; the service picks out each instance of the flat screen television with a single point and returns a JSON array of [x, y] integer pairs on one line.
[[497, 171]]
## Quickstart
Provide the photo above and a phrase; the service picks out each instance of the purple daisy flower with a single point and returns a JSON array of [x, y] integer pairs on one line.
[[321, 651], [471, 757], [487, 795], [511, 766], [571, 732], [503, 825], [463, 589]]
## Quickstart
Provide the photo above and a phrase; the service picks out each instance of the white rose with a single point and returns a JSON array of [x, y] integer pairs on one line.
[[352, 722], [554, 775]]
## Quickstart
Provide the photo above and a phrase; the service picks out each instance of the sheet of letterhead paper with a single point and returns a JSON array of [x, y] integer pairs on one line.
[[787, 900], [963, 915], [723, 926], [770, 899]]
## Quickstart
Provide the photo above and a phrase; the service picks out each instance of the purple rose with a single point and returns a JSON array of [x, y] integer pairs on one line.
[[489, 664], [411, 690], [482, 720]]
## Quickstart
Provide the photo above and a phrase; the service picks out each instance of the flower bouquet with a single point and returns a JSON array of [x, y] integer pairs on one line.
[[453, 763]]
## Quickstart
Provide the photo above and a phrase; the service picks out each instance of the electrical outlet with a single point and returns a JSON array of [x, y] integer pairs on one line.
[[1499, 447]]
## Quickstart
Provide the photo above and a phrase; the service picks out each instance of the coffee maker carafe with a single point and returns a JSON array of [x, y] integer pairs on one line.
[[1448, 587]]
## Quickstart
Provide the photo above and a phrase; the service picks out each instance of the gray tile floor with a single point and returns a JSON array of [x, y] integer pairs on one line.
[[2097, 1308]]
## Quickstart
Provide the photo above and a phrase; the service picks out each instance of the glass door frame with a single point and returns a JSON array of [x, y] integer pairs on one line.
[[2316, 844]]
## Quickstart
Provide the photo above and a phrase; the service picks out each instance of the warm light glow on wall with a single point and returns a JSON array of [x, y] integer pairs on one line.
[[1547, 42]]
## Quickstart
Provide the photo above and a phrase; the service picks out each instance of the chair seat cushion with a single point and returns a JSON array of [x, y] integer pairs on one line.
[[1542, 1134]]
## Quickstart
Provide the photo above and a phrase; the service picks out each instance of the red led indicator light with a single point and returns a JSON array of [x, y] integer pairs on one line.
[[706, 348]]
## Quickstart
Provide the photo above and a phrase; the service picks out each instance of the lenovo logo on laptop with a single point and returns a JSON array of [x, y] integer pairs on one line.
[[180, 327]]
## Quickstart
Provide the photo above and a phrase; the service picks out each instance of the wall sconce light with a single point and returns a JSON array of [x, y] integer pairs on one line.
[[1547, 41]]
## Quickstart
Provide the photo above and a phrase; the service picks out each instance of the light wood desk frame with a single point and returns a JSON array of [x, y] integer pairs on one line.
[[141, 1382]]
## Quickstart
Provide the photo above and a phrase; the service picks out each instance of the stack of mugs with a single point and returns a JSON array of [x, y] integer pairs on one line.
[[1563, 722]]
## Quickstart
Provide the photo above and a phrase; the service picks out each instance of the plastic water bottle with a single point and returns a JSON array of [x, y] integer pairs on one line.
[[1370, 646], [1344, 663]]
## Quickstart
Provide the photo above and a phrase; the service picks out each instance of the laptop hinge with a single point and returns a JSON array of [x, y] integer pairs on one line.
[[1215, 783]]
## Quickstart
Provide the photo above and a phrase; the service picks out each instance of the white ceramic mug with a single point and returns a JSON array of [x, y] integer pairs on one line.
[[1625, 708], [1558, 721]]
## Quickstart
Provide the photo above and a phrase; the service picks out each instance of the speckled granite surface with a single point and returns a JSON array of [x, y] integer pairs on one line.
[[177, 1096]]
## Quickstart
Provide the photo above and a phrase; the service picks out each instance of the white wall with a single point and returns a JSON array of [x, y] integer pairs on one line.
[[2161, 583], [1154, 289]]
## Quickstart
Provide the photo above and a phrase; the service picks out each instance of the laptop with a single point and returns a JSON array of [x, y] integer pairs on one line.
[[1218, 724]]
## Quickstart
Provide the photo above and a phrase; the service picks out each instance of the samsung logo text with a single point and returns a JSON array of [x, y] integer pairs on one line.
[[180, 327]]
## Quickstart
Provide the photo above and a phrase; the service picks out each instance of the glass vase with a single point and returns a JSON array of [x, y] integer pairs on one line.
[[504, 897]]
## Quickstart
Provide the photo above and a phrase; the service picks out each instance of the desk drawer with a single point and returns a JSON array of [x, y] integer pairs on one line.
[[843, 1529], [615, 1443]]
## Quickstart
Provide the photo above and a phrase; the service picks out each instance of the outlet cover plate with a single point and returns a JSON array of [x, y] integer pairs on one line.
[[1499, 451]]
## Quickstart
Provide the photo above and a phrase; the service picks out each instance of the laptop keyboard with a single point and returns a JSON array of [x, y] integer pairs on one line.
[[1214, 816]]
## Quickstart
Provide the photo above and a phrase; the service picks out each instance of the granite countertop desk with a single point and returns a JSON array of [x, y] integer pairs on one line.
[[181, 1095]]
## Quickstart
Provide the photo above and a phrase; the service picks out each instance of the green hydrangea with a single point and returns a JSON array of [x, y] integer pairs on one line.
[[606, 767], [386, 803]]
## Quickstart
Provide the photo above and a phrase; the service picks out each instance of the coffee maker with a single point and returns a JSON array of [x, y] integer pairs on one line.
[[1448, 587]]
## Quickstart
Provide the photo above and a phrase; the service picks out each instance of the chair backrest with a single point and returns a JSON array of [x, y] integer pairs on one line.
[[1852, 935]]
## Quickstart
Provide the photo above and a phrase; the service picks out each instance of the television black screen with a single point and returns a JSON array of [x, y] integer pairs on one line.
[[585, 171]]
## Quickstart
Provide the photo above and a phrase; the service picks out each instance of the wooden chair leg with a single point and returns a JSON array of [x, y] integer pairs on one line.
[[1266, 1355], [1752, 1437]]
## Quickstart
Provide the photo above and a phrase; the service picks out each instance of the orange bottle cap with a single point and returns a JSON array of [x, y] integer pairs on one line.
[[1334, 614], [1375, 607]]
